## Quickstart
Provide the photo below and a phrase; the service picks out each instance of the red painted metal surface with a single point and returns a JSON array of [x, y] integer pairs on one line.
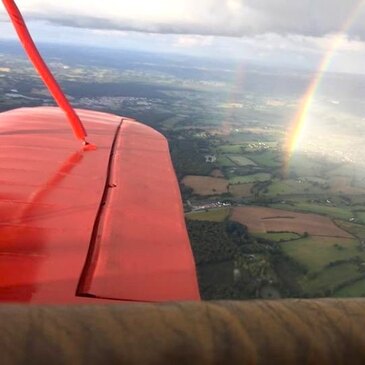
[[47, 77], [141, 250], [51, 192]]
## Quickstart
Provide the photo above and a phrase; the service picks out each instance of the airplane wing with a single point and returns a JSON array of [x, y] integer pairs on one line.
[[101, 220], [78, 223]]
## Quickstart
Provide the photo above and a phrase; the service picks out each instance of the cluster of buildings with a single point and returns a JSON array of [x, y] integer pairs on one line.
[[111, 102], [206, 206]]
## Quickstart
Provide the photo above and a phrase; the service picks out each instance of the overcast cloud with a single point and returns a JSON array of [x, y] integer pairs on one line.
[[204, 17], [274, 32]]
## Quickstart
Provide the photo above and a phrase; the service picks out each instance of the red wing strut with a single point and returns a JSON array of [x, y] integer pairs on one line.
[[42, 69]]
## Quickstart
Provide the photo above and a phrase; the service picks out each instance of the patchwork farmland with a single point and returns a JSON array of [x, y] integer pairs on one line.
[[265, 220], [206, 185]]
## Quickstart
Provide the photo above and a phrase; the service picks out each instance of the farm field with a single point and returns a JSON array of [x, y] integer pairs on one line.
[[358, 230], [317, 252], [297, 187], [260, 177], [328, 280], [264, 220], [212, 215], [224, 161], [314, 212], [267, 158], [241, 190], [353, 290], [231, 148], [206, 185], [241, 160], [360, 216], [278, 237], [330, 211]]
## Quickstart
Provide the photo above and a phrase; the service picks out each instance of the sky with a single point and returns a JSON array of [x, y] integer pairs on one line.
[[280, 32]]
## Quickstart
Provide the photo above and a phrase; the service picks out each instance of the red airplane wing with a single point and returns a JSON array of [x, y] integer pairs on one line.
[[103, 222], [75, 223], [141, 250]]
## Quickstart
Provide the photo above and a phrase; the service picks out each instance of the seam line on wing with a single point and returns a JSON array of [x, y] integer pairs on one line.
[[89, 261]]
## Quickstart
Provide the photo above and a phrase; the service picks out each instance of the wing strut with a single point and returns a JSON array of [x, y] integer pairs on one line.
[[43, 70]]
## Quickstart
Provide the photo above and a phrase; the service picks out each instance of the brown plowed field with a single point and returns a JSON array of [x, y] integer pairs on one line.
[[206, 185], [262, 220]]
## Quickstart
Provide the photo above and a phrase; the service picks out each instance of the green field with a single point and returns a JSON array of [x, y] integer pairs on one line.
[[267, 158], [322, 257], [330, 278], [278, 237], [356, 289], [333, 212], [231, 148], [317, 252], [241, 160], [360, 217], [250, 178], [357, 230], [212, 215], [297, 187], [224, 161]]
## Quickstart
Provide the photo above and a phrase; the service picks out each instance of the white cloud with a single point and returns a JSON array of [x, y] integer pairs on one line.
[[275, 32], [205, 17], [193, 41]]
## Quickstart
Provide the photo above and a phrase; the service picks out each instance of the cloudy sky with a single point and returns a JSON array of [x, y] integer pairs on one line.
[[294, 32]]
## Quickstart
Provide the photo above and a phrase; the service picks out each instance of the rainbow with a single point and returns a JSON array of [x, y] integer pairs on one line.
[[300, 118]]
